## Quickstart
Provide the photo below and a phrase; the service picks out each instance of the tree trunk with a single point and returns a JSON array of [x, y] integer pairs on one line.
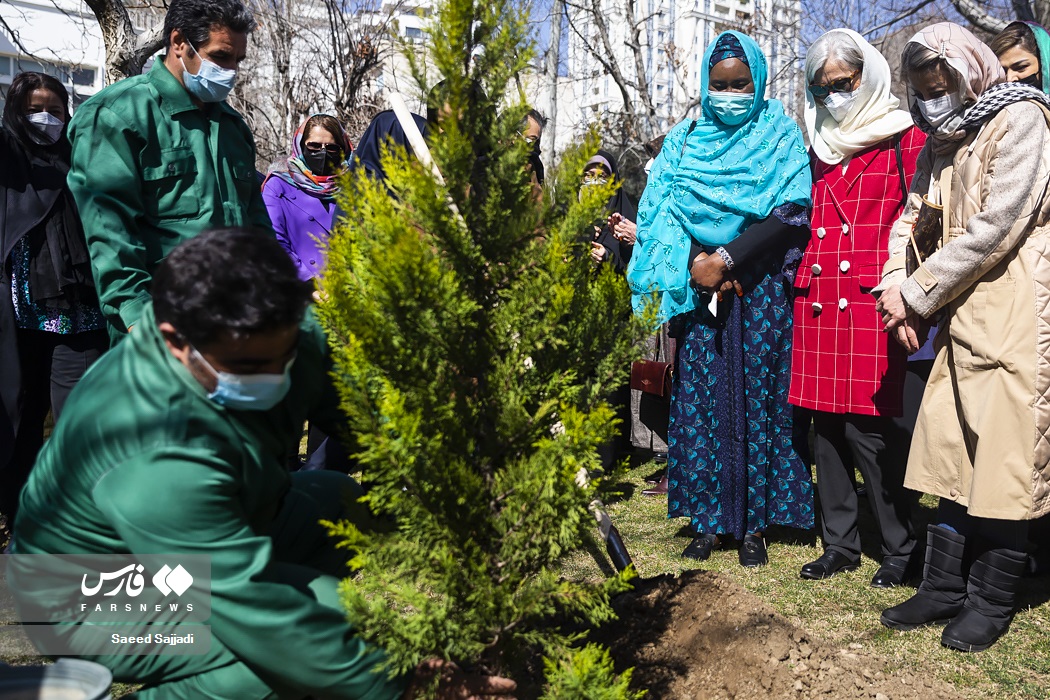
[[974, 11], [553, 64], [126, 51]]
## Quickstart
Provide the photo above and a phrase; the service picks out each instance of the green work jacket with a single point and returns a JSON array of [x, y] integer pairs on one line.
[[149, 170], [144, 462]]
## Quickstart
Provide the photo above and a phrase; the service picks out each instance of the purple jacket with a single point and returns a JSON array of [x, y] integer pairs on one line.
[[298, 218]]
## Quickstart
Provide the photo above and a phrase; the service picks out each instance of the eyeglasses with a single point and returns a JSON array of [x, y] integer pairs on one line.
[[840, 85], [330, 148], [595, 179]]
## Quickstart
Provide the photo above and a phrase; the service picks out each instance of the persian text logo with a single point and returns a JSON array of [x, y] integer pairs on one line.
[[130, 579]]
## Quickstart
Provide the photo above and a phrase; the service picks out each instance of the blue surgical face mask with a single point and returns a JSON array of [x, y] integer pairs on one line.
[[248, 392], [212, 83], [731, 108]]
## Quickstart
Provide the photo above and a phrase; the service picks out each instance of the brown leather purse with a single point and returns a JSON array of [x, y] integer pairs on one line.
[[654, 378], [930, 229], [925, 235]]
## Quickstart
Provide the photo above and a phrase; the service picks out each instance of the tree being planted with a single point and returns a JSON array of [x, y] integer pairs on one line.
[[475, 347]]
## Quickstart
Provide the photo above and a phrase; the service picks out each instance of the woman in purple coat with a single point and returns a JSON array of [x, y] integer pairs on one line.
[[299, 193]]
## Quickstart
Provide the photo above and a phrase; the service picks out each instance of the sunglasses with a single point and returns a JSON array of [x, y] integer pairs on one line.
[[330, 148], [840, 85]]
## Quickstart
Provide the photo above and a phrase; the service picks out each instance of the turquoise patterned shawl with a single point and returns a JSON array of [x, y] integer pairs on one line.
[[711, 186]]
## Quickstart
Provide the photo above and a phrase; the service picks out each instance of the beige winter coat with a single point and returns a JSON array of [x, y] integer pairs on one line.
[[983, 432]]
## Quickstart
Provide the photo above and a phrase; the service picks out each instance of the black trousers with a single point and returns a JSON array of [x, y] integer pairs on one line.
[[52, 364], [878, 447]]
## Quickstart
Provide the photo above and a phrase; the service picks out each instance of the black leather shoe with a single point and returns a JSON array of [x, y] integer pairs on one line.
[[700, 548], [892, 573], [753, 552], [830, 563], [660, 489]]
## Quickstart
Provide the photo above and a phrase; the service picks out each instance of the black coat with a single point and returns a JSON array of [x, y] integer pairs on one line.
[[30, 187], [619, 253]]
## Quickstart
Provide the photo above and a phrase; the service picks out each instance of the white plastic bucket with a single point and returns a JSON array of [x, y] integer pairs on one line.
[[66, 679]]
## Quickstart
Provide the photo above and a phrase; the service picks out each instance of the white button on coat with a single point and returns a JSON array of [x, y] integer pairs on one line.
[[816, 268], [844, 266], [821, 232], [845, 229], [843, 304], [817, 307]]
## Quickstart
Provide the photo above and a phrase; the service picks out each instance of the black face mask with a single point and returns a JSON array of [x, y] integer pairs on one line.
[[1035, 80], [322, 163]]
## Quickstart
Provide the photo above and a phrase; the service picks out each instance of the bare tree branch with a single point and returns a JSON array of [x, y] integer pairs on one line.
[[899, 17], [14, 37], [1023, 10], [635, 45], [975, 13], [124, 56], [606, 55]]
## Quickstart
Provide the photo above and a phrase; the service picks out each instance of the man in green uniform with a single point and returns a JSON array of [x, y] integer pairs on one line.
[[173, 443], [160, 157]]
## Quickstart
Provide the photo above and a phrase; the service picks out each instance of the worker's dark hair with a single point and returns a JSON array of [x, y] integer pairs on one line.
[[234, 280], [196, 18], [535, 115]]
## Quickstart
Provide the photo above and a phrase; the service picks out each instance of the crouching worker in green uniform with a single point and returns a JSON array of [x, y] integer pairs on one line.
[[174, 443]]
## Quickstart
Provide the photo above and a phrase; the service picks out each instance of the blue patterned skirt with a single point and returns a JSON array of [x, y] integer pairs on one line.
[[732, 468]]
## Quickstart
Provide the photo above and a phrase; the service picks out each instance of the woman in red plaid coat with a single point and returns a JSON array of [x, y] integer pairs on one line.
[[844, 368]]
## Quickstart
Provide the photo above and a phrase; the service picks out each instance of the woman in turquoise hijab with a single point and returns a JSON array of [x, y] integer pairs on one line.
[[720, 230], [1023, 48]]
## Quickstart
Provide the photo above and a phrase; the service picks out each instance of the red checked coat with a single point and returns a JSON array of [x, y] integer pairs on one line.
[[842, 362]]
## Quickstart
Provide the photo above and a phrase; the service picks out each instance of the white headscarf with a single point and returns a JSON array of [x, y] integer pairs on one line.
[[875, 115]]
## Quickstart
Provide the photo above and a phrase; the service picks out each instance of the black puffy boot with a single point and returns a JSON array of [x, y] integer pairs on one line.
[[943, 589], [990, 594]]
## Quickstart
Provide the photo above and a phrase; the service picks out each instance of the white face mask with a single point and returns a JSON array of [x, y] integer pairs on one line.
[[648, 166], [938, 110], [49, 126], [839, 104]]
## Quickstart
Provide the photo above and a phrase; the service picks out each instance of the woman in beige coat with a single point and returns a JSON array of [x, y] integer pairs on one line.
[[982, 441]]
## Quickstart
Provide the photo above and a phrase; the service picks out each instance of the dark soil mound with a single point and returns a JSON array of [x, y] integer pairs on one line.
[[701, 636]]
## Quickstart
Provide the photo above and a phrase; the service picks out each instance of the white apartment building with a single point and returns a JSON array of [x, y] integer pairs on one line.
[[673, 35], [58, 37]]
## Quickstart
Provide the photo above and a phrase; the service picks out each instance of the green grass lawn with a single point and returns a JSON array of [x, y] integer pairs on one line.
[[842, 610]]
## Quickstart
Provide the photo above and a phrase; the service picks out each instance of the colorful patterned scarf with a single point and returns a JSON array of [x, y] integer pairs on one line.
[[727, 47], [295, 171]]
